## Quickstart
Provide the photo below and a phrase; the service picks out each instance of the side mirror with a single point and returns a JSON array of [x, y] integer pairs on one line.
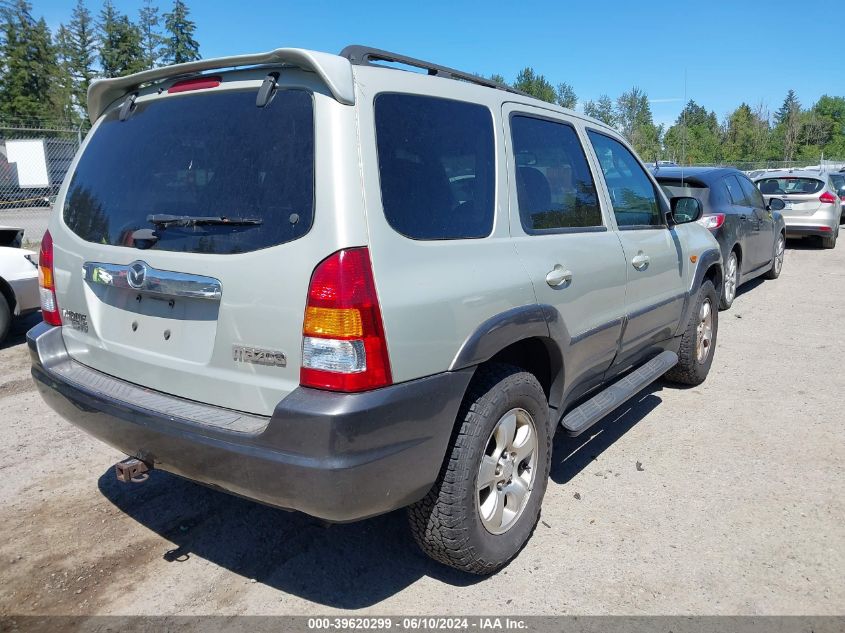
[[776, 204], [685, 209]]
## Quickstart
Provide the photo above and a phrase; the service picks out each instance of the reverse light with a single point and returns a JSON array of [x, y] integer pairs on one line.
[[827, 198], [713, 221], [343, 345], [46, 282]]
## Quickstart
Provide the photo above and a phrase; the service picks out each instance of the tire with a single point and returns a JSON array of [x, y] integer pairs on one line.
[[777, 260], [731, 282], [5, 318], [691, 368], [447, 523], [830, 242]]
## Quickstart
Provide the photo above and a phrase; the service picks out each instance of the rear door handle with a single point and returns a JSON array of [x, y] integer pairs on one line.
[[743, 217], [640, 261], [558, 276]]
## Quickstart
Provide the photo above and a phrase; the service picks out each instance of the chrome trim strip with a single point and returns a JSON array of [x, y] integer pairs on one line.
[[149, 280]]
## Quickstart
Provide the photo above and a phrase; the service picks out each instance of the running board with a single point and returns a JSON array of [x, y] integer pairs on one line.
[[586, 415]]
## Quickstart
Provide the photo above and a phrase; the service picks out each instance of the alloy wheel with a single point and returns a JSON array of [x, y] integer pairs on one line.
[[507, 470], [731, 279], [704, 331]]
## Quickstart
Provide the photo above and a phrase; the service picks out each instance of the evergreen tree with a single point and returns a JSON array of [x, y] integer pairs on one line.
[[180, 45], [63, 88], [81, 52], [635, 121], [120, 43], [566, 97], [790, 105], [498, 79], [601, 109], [695, 137], [787, 135], [28, 65], [151, 40], [535, 85]]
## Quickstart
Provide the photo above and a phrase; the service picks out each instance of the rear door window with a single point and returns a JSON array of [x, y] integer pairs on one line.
[[199, 155], [752, 195], [632, 193], [436, 166], [737, 195], [555, 188]]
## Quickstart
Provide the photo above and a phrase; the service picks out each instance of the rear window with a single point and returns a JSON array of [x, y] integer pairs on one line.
[[786, 186], [436, 165], [199, 155], [678, 188]]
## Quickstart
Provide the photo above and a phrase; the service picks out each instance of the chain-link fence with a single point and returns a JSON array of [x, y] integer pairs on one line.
[[34, 158]]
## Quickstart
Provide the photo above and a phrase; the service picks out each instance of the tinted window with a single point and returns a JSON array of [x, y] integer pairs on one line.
[[737, 195], [553, 182], [212, 154], [753, 196], [631, 191], [675, 188], [787, 185], [436, 164], [838, 182]]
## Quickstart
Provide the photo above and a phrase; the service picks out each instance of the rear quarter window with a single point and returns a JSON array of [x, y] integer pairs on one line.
[[436, 166], [199, 155]]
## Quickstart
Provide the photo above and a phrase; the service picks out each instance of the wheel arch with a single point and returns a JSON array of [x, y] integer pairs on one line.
[[520, 336]]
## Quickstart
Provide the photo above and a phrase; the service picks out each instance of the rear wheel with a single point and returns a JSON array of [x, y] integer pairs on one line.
[[731, 281], [777, 261], [5, 318], [830, 242], [698, 342], [486, 501]]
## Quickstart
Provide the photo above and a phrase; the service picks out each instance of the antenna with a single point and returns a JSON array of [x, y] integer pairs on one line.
[[684, 125]]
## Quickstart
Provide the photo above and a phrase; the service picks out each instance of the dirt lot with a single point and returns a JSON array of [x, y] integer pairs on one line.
[[737, 506]]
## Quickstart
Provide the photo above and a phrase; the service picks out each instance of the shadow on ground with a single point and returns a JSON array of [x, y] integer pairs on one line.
[[20, 326], [347, 566]]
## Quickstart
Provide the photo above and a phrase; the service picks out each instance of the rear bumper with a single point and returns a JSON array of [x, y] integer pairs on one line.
[[339, 457], [808, 231]]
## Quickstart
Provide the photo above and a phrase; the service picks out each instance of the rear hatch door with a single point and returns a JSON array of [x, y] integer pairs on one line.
[[186, 243]]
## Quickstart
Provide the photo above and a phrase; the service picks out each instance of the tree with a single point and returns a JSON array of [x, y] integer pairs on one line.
[[498, 78], [745, 134], [695, 137], [63, 86], [635, 121], [180, 45], [566, 97], [29, 65], [80, 51], [787, 133], [535, 85], [601, 109], [151, 40], [120, 43]]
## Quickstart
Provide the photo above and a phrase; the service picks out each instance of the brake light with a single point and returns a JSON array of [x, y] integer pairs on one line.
[[46, 282], [198, 83], [713, 221], [343, 343], [827, 198]]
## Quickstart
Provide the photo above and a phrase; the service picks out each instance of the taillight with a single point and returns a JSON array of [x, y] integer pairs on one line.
[[47, 283], [712, 222], [343, 343], [827, 198]]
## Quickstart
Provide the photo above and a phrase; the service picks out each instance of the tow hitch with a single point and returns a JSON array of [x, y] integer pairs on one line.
[[132, 470]]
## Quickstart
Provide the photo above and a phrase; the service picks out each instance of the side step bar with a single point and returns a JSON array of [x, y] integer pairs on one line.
[[586, 415]]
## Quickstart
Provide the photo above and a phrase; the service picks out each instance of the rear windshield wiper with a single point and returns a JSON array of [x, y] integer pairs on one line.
[[162, 221]]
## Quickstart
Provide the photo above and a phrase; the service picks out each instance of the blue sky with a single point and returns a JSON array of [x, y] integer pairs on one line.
[[731, 51]]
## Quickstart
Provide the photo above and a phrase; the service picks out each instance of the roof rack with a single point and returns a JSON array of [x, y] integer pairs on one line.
[[365, 56]]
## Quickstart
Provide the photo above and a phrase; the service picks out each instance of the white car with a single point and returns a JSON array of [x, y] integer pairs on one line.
[[18, 280]]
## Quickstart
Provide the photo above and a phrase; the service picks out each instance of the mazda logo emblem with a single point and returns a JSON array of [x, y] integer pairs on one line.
[[137, 274]]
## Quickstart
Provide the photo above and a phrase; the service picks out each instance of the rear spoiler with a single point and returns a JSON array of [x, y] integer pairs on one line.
[[334, 71]]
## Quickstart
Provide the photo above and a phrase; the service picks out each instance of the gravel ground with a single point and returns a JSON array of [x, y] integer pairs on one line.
[[722, 499]]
